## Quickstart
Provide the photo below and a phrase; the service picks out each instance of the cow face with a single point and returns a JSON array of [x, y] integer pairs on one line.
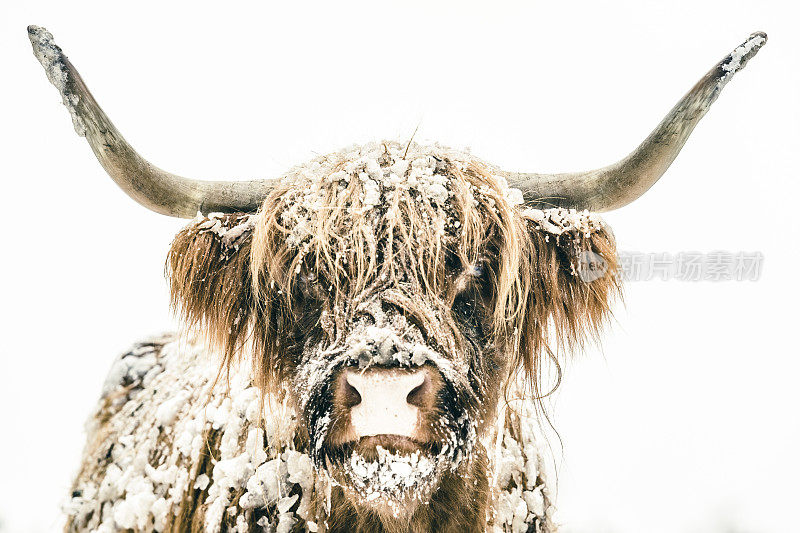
[[391, 292]]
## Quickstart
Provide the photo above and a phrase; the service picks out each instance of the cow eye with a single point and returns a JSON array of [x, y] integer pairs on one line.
[[475, 291], [465, 302], [308, 299]]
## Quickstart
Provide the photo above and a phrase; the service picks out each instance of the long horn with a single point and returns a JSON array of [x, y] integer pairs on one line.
[[619, 184], [152, 187]]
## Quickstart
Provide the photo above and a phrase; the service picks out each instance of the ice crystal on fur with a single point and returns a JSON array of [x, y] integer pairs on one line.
[[219, 460], [392, 477], [385, 256]]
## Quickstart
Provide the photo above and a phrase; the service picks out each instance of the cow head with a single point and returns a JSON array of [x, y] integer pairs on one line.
[[393, 291]]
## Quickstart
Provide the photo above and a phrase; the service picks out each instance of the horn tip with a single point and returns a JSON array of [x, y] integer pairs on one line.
[[57, 68], [34, 29], [41, 39], [761, 34], [756, 40], [49, 54], [736, 60]]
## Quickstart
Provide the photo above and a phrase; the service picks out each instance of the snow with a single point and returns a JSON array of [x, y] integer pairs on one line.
[[516, 469], [147, 477], [53, 61], [739, 57], [392, 477], [376, 339], [231, 236], [168, 410], [381, 169], [557, 221], [175, 399], [136, 365]]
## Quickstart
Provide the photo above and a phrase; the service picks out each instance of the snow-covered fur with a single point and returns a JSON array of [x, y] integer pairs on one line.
[[394, 256], [171, 448]]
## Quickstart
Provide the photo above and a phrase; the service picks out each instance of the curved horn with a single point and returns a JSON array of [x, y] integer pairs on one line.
[[152, 187], [619, 184]]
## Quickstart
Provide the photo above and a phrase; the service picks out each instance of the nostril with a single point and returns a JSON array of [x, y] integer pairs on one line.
[[385, 388], [351, 395], [418, 395], [386, 401]]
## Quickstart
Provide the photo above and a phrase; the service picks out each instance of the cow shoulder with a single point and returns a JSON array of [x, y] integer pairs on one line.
[[174, 445]]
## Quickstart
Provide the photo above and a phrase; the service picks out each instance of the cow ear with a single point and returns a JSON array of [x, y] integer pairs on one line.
[[574, 280], [208, 268]]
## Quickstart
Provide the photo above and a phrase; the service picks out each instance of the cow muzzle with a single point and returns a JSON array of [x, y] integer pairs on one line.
[[387, 401]]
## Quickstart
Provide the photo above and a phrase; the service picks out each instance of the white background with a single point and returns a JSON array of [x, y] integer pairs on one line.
[[686, 420]]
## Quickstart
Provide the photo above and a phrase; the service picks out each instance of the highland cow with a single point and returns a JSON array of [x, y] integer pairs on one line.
[[365, 339]]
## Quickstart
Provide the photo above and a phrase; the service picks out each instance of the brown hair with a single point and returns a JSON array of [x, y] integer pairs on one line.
[[339, 246]]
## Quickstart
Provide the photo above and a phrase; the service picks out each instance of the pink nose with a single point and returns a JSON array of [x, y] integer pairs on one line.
[[387, 401]]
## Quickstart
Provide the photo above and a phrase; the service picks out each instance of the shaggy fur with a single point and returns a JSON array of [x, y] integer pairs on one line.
[[482, 278], [259, 289], [295, 273], [131, 444]]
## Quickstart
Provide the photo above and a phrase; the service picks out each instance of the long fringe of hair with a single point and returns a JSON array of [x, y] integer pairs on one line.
[[324, 256]]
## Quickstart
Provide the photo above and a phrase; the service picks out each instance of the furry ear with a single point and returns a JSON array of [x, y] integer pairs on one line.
[[573, 284], [208, 268]]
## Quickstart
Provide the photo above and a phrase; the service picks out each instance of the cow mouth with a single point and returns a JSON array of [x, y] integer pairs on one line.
[[367, 446], [389, 471]]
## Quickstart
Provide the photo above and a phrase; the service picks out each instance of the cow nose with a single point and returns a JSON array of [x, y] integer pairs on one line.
[[387, 401]]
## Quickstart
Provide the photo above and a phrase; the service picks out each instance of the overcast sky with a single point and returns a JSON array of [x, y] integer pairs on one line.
[[685, 420]]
